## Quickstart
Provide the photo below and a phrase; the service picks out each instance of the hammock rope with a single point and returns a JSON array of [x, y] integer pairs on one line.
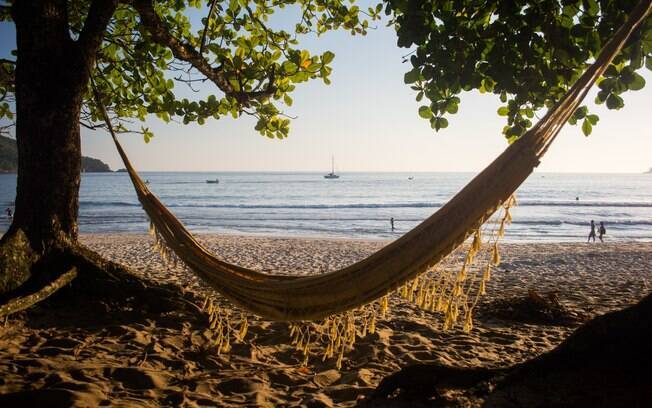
[[399, 264]]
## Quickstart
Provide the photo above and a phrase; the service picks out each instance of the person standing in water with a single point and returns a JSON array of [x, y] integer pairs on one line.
[[592, 233], [391, 221], [601, 231]]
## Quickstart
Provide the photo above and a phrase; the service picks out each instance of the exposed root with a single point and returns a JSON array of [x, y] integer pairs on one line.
[[603, 363], [90, 281], [24, 302], [600, 364], [426, 383]]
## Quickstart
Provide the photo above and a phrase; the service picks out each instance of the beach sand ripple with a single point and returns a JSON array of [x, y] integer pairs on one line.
[[48, 358]]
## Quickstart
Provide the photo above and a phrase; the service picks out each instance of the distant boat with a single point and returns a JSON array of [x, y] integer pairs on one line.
[[411, 178], [649, 171], [216, 181], [332, 174]]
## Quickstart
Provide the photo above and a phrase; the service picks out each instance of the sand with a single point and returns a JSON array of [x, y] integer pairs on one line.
[[165, 359]]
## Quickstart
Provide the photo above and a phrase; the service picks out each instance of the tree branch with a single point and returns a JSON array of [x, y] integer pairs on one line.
[[186, 52], [95, 25], [208, 20]]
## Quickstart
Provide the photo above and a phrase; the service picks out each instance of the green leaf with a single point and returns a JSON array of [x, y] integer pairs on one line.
[[581, 112], [586, 127], [327, 57], [438, 123], [601, 97], [412, 76], [503, 111], [147, 134], [615, 102], [637, 83], [425, 112], [593, 119]]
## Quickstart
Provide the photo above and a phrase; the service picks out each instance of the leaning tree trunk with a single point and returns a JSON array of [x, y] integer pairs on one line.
[[52, 73]]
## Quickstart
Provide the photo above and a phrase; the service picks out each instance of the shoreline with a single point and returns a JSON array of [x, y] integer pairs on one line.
[[241, 235], [504, 241], [166, 359]]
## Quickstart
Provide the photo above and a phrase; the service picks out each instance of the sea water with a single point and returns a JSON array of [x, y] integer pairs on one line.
[[552, 207]]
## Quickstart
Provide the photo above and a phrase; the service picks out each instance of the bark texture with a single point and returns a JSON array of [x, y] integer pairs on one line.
[[52, 75], [50, 80]]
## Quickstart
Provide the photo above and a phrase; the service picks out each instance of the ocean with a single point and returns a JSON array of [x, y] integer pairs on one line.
[[358, 205]]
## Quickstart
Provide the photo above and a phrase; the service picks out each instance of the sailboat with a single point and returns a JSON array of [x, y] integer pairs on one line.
[[332, 174]]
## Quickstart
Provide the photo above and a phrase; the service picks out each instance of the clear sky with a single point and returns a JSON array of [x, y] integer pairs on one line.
[[367, 118]]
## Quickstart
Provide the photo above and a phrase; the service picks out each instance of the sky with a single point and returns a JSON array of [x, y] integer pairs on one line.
[[367, 119]]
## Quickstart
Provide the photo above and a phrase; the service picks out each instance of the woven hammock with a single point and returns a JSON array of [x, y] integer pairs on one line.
[[399, 264]]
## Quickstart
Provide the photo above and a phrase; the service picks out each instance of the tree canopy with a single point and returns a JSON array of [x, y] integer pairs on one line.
[[250, 55], [527, 52]]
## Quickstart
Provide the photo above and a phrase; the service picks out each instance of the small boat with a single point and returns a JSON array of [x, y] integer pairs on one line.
[[411, 178], [332, 174], [216, 181]]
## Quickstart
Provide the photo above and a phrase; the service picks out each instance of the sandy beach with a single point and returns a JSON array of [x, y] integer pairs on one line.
[[166, 359]]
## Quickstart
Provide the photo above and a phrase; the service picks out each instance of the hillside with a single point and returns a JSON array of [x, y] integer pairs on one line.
[[91, 165], [9, 159]]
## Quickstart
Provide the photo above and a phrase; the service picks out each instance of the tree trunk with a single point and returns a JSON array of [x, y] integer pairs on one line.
[[50, 81], [51, 77]]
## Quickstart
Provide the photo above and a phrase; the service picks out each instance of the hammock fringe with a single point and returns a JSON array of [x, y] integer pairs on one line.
[[417, 265]]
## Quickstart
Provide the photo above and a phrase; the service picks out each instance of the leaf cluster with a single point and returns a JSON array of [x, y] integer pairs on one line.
[[525, 51], [139, 77], [256, 56]]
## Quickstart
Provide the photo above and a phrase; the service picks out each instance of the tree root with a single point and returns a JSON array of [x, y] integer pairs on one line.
[[24, 302], [422, 382], [602, 363], [90, 281]]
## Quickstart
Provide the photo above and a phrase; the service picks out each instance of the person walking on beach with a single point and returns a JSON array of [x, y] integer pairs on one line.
[[601, 231], [592, 233], [10, 214], [391, 221]]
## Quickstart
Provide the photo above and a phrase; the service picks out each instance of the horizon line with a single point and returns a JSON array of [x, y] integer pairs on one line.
[[369, 171]]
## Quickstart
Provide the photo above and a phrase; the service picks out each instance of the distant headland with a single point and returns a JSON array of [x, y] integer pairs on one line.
[[9, 159]]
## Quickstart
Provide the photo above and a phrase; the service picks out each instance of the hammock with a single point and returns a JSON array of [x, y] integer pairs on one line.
[[287, 298]]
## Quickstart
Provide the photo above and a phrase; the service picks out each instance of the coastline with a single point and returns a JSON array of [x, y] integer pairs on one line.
[[167, 360], [359, 206]]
